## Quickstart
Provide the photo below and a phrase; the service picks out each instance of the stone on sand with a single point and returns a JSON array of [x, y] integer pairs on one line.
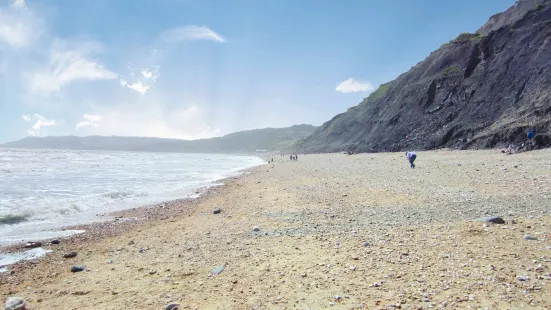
[[217, 270], [78, 268], [15, 303], [31, 245], [172, 307], [494, 220], [70, 254]]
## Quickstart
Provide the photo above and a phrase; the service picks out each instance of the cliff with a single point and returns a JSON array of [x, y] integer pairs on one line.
[[480, 90]]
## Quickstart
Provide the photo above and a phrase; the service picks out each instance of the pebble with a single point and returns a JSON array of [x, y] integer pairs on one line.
[[15, 303], [256, 228], [528, 237], [522, 278], [78, 268], [217, 270], [366, 244], [31, 245], [217, 211], [70, 254], [172, 307], [55, 241]]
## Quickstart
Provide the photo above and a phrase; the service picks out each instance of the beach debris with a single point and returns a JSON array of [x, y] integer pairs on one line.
[[55, 241], [15, 303], [528, 237], [172, 307], [217, 270], [78, 268], [152, 272], [70, 254], [217, 211], [522, 278], [256, 228], [32, 245], [494, 220]]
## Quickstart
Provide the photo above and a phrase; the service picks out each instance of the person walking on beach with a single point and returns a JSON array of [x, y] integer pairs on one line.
[[411, 156]]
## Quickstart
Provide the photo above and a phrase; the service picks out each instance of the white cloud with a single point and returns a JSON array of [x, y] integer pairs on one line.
[[40, 121], [138, 86], [151, 73], [66, 66], [191, 32], [352, 85], [143, 82], [89, 120], [19, 27]]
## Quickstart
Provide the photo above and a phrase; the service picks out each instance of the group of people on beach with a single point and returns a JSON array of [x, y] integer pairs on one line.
[[293, 157]]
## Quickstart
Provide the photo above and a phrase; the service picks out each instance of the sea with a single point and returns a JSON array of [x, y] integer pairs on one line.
[[42, 191]]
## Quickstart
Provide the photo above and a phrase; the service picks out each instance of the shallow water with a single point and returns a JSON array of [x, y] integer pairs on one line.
[[12, 258], [49, 189]]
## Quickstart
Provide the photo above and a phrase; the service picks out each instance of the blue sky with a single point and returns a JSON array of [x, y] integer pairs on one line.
[[199, 68]]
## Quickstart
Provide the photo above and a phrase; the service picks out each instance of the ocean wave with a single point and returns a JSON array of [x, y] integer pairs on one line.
[[124, 194], [11, 219]]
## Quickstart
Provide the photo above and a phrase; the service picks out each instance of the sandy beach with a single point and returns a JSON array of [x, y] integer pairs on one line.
[[335, 231]]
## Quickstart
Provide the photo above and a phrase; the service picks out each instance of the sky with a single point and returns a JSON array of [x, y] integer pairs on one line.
[[193, 69]]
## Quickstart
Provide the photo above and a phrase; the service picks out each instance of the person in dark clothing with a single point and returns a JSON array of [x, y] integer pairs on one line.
[[411, 156]]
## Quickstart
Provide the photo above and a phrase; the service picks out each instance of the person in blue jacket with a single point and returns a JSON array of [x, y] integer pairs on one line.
[[411, 156]]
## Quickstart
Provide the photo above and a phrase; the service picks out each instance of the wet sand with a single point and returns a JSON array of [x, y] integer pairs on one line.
[[336, 231]]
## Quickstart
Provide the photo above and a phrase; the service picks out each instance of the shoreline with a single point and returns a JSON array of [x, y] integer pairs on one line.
[[119, 222]]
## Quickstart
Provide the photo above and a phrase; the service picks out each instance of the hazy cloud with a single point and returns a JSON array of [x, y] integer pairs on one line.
[[191, 32], [89, 120], [40, 121], [352, 85], [66, 66], [19, 28], [19, 4]]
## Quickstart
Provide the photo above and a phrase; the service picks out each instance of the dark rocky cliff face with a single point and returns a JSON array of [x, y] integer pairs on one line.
[[478, 91]]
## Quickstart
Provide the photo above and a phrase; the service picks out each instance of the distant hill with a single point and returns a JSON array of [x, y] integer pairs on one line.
[[268, 139], [480, 90]]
